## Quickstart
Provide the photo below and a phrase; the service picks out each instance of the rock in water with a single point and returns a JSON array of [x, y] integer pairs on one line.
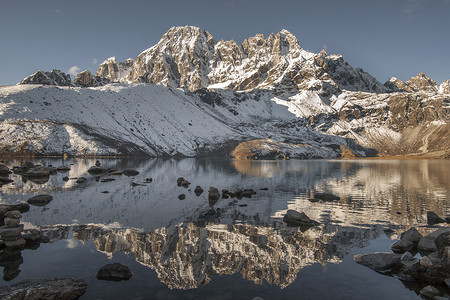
[[408, 240], [381, 261], [182, 196], [130, 172], [433, 218], [326, 197], [40, 200], [65, 288], [63, 168], [198, 190], [114, 272], [213, 194], [82, 180], [427, 243], [96, 170], [293, 217], [183, 182]]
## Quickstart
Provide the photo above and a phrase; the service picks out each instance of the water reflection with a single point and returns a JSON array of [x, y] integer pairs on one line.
[[186, 248], [188, 255]]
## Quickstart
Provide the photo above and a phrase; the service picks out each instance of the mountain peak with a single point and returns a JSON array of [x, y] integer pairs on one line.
[[422, 83]]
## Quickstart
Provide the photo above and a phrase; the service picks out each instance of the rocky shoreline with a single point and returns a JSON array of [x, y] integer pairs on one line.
[[421, 262]]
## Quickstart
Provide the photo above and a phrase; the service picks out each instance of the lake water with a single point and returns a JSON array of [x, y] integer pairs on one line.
[[177, 250]]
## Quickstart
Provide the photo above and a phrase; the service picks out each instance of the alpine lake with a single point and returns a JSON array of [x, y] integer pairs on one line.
[[230, 248]]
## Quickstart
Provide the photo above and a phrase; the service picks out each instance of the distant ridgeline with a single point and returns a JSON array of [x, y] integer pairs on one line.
[[191, 95]]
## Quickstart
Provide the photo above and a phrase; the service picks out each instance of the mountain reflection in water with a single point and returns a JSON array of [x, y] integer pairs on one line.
[[186, 248]]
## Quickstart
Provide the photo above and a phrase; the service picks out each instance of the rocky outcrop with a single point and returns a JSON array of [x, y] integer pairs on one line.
[[422, 83], [33, 289], [86, 79], [444, 88], [111, 71], [54, 77], [432, 268]]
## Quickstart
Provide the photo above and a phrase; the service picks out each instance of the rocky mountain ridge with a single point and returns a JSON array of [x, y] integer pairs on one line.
[[288, 101]]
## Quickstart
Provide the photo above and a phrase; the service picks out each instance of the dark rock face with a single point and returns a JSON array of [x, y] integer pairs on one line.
[[427, 244], [408, 241], [182, 196], [55, 77], [40, 200], [433, 218], [4, 170], [34, 289], [114, 272], [86, 79]]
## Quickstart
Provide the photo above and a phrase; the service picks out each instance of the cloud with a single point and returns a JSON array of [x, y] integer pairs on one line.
[[94, 61], [56, 10], [413, 6], [74, 70]]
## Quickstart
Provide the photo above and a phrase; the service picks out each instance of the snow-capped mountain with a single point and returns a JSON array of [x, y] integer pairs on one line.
[[190, 58], [191, 95]]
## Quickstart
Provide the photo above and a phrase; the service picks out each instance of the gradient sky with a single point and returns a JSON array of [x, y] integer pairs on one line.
[[386, 38]]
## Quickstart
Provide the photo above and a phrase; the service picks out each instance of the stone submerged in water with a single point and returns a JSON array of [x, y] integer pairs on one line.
[[65, 288], [296, 218], [130, 172], [114, 272], [40, 200]]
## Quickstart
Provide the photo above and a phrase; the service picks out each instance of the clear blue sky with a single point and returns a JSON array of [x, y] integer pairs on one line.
[[385, 37]]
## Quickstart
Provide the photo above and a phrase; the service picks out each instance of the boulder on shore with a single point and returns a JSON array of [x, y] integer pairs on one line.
[[65, 288]]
